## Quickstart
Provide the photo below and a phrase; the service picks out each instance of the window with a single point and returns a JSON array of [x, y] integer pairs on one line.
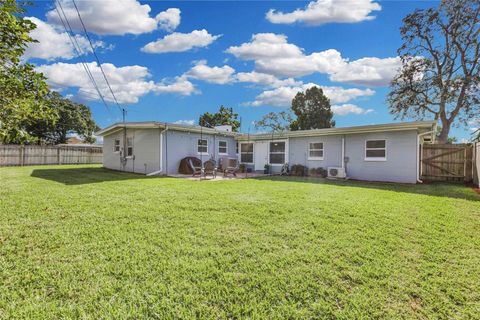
[[246, 155], [222, 147], [236, 147], [315, 151], [202, 146], [376, 150], [116, 145], [129, 147], [277, 152]]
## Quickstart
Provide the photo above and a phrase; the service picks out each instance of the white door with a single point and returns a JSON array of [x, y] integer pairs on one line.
[[261, 154]]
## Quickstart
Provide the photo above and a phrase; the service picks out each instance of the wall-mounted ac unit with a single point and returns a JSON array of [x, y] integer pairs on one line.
[[336, 172]]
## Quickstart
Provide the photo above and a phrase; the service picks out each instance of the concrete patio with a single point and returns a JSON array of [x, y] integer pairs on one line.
[[219, 176]]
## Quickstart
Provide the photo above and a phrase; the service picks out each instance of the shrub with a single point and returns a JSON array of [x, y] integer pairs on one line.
[[242, 167], [321, 172], [298, 170]]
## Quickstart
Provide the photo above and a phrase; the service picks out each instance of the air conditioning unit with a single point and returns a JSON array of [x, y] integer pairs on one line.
[[336, 172]]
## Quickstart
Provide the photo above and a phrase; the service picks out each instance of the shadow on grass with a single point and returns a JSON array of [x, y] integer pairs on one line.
[[450, 190], [77, 176]]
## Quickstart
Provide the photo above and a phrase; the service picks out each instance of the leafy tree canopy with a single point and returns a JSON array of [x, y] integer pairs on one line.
[[275, 121], [312, 109], [440, 74], [224, 116], [72, 118], [22, 89]]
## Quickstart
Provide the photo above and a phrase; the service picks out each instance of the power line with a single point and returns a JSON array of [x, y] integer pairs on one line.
[[96, 57], [78, 50]]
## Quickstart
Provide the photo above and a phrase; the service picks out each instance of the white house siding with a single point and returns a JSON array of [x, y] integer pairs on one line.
[[401, 163], [146, 151], [332, 151], [178, 145], [400, 166]]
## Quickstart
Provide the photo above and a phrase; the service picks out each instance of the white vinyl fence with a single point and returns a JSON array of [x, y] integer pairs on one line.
[[18, 155]]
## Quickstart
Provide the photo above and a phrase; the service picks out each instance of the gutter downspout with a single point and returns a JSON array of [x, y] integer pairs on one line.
[[161, 154], [420, 153]]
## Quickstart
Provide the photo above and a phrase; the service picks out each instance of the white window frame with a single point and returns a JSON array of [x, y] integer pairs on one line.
[[129, 146], [252, 153], [226, 148], [285, 152], [198, 145], [310, 149], [115, 145], [375, 158]]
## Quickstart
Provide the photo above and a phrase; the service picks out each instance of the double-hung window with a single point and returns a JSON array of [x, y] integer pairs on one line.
[[315, 151], [277, 152], [222, 147], [246, 152], [129, 146], [376, 150], [116, 145], [202, 146]]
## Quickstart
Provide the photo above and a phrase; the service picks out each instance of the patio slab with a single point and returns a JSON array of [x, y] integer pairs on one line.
[[219, 177]]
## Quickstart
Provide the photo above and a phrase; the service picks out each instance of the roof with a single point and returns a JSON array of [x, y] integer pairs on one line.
[[421, 126], [161, 125]]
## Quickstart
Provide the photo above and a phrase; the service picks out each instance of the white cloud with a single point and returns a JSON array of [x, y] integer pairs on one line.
[[108, 17], [180, 42], [219, 75], [180, 86], [348, 108], [169, 19], [273, 55], [129, 83], [368, 71], [185, 122], [474, 124], [265, 79], [53, 44], [282, 96], [327, 11], [265, 46], [341, 95]]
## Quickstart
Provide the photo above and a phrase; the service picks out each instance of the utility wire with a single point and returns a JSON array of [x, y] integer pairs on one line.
[[96, 57], [78, 50]]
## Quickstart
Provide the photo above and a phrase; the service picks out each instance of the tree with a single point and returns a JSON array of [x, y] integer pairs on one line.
[[224, 116], [440, 73], [312, 109], [22, 90], [275, 121], [72, 118]]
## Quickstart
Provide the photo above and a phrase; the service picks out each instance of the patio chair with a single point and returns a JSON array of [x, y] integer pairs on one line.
[[195, 168], [209, 167], [231, 166]]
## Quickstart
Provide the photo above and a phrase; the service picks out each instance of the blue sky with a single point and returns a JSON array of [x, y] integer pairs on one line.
[[172, 61]]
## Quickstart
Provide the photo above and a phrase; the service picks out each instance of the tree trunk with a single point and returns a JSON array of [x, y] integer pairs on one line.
[[443, 136]]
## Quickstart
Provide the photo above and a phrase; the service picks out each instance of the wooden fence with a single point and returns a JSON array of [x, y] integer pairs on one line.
[[17, 155], [447, 162], [476, 164]]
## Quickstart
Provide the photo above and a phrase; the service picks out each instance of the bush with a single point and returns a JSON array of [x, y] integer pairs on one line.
[[242, 167], [321, 172], [298, 170]]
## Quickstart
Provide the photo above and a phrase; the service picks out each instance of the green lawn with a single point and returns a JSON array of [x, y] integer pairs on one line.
[[85, 242]]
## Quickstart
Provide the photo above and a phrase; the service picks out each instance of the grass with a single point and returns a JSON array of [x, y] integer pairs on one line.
[[84, 242]]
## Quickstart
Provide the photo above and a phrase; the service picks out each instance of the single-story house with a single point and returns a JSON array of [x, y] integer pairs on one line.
[[385, 152]]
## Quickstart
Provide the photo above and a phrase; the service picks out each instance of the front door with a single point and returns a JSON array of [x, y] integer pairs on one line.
[[261, 155]]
